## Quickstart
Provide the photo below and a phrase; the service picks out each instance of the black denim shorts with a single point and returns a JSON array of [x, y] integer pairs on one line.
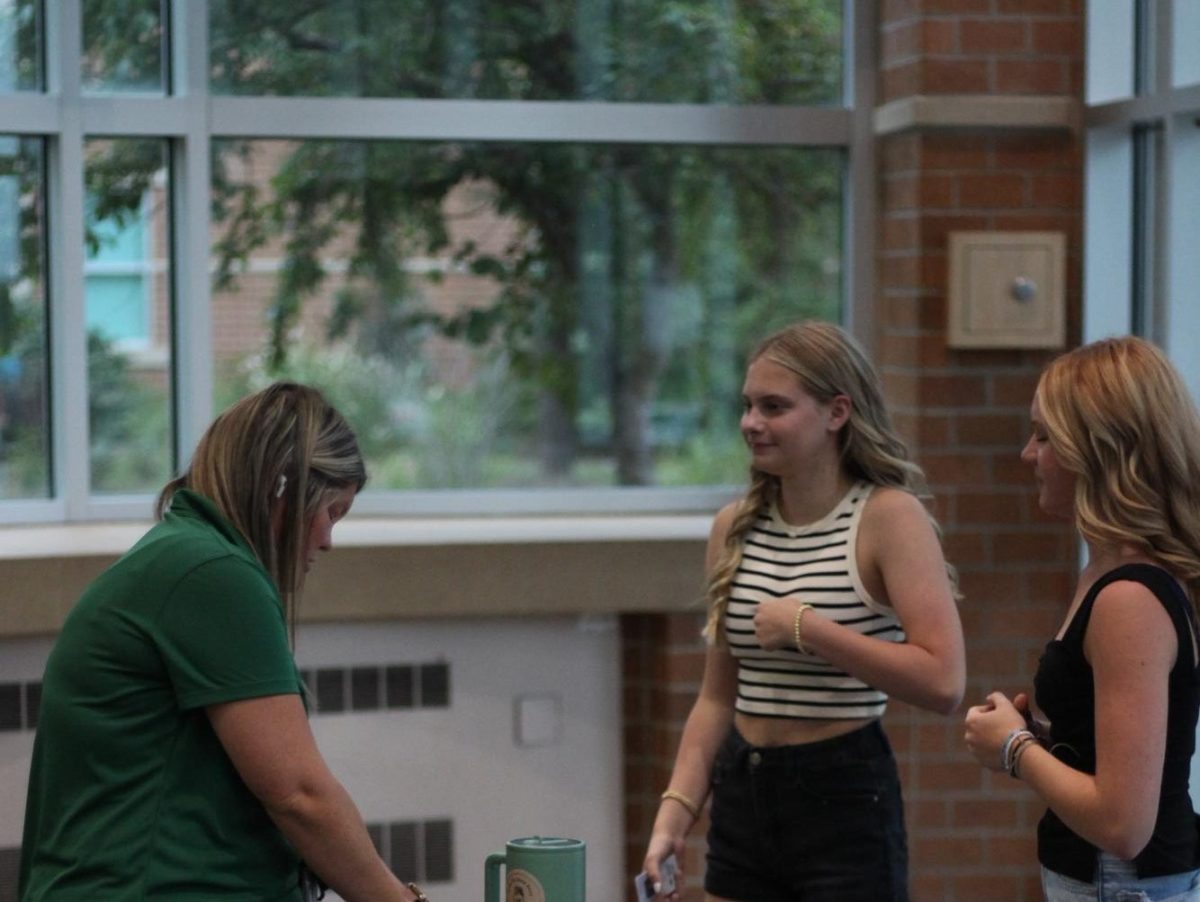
[[820, 822]]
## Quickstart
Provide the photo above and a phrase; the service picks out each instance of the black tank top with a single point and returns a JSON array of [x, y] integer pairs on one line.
[[1065, 691]]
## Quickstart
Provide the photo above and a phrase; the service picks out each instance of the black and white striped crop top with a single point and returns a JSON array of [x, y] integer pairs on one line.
[[815, 563]]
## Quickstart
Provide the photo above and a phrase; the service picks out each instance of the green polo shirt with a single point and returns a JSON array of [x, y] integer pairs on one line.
[[131, 795]]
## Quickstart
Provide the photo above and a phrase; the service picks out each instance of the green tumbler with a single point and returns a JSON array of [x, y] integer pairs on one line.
[[539, 869]]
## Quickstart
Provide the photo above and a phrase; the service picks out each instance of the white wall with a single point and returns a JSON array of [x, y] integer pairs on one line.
[[463, 762]]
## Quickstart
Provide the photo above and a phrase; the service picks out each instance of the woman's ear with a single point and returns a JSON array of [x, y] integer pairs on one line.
[[839, 412]]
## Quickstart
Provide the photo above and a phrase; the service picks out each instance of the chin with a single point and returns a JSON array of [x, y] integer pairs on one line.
[[1058, 511]]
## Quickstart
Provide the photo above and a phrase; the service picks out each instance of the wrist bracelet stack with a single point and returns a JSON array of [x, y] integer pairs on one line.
[[1015, 745]]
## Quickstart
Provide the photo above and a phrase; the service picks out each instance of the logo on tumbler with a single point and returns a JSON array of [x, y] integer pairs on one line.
[[522, 886]]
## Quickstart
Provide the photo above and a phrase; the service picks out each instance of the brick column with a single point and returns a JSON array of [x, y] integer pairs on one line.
[[965, 413], [663, 662]]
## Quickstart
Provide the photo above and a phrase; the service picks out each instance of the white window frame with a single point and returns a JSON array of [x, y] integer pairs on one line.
[[191, 118], [1171, 113]]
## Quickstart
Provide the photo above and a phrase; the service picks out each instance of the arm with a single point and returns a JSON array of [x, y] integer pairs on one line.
[[1116, 808], [705, 729], [901, 563], [270, 743]]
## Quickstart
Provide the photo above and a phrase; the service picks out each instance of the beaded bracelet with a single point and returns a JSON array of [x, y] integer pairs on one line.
[[800, 612]]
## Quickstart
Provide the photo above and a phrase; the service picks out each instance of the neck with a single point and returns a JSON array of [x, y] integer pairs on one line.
[[1102, 558], [808, 498]]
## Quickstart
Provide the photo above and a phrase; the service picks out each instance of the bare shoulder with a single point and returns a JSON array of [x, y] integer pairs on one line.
[[721, 525], [1127, 600], [1126, 608], [888, 508]]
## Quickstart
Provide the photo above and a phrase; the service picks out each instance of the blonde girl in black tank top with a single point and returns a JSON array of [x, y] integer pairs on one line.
[[1116, 449]]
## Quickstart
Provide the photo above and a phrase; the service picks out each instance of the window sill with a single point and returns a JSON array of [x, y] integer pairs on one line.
[[390, 569], [112, 539]]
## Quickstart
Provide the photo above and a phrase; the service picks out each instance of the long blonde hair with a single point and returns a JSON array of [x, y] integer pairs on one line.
[[827, 362], [1119, 417], [285, 444]]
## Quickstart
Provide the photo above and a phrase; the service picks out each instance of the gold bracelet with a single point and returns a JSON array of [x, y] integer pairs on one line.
[[692, 807], [800, 612], [413, 888]]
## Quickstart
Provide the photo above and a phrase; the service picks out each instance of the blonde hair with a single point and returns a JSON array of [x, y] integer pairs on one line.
[[827, 362], [1120, 418], [285, 444]]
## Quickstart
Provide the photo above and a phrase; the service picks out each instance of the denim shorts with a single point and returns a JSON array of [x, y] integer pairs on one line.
[[1117, 881], [819, 822]]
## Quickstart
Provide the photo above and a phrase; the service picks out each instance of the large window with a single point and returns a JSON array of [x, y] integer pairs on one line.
[[651, 51], [502, 315], [1143, 119], [525, 247]]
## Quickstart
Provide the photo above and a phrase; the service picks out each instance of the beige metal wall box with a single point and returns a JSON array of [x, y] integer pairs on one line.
[[1007, 290]]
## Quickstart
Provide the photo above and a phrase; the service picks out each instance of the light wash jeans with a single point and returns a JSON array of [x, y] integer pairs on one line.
[[1117, 881]]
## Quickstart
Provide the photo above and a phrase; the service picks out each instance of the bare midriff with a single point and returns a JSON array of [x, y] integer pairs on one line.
[[767, 732]]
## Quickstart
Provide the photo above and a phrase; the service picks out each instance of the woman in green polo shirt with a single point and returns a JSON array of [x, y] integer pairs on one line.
[[173, 757]]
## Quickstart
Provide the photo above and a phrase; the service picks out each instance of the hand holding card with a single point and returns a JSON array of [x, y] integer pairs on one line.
[[668, 872]]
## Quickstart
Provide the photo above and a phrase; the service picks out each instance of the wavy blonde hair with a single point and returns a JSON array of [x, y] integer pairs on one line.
[[288, 436], [1118, 416], [827, 362]]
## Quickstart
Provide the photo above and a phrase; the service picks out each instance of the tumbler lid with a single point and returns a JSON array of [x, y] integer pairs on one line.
[[545, 842]]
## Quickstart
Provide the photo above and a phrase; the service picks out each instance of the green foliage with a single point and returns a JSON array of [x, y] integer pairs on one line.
[[123, 44], [415, 431], [707, 458], [129, 424], [25, 64], [24, 436], [118, 175], [634, 277], [683, 51], [24, 433]]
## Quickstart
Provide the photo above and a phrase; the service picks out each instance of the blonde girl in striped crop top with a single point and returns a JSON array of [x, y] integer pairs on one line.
[[828, 592]]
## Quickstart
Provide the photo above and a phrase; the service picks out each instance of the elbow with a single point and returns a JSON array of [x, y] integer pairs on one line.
[[1126, 841], [940, 684], [946, 694], [942, 700], [1125, 834], [1126, 848], [947, 700], [941, 696], [297, 804]]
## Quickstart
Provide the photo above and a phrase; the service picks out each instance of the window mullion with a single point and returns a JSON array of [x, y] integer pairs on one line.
[[65, 214], [190, 184], [858, 289]]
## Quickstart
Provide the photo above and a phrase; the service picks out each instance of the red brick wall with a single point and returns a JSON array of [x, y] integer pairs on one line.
[[663, 664], [965, 413]]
